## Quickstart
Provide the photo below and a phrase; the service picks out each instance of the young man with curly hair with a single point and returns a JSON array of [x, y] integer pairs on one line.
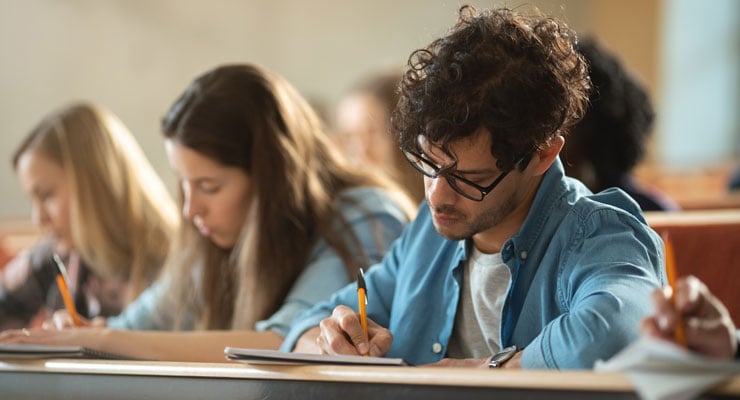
[[508, 263]]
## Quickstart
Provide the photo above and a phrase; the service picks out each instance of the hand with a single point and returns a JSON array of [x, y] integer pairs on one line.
[[342, 334], [61, 319], [77, 337], [707, 324]]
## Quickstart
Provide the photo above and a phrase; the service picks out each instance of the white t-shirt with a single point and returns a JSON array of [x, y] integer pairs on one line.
[[477, 330]]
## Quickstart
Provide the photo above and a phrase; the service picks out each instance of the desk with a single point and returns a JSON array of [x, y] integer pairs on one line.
[[97, 379]]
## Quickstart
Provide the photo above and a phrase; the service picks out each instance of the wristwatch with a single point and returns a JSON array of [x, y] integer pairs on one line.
[[502, 356]]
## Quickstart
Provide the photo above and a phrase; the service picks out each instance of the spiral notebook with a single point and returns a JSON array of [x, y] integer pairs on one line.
[[39, 351], [256, 356]]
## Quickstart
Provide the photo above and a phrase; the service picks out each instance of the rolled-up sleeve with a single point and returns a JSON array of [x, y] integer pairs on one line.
[[604, 286]]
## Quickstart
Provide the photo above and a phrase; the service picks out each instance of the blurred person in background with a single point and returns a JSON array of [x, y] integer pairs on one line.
[[363, 129], [102, 209], [610, 140]]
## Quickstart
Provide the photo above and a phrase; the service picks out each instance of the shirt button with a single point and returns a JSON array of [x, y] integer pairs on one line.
[[437, 348], [523, 255]]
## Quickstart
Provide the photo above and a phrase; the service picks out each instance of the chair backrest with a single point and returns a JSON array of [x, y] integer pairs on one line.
[[707, 245]]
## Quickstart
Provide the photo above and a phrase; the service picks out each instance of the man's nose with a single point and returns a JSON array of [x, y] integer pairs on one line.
[[439, 191]]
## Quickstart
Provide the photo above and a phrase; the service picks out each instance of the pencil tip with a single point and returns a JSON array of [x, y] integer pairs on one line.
[[361, 279]]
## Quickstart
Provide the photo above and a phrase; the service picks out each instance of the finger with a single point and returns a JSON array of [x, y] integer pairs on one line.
[[99, 322], [8, 335], [349, 322], [649, 327], [665, 315], [690, 294], [661, 298], [694, 300], [320, 343], [61, 320], [16, 336], [380, 339], [712, 337], [333, 339]]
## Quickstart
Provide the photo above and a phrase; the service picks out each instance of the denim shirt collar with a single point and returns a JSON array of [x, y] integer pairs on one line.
[[552, 188], [517, 247]]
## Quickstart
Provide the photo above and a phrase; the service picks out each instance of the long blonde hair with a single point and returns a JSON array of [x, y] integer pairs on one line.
[[244, 116], [121, 215]]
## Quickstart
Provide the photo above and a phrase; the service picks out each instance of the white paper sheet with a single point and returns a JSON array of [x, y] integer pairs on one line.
[[661, 370]]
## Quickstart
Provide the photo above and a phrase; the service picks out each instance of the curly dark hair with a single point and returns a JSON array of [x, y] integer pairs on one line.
[[519, 76], [613, 133]]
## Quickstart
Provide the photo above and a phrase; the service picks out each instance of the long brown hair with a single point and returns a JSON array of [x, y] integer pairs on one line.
[[121, 215], [244, 116]]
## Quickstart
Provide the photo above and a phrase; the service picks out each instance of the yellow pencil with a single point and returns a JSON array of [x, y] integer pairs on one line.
[[670, 268], [362, 301], [62, 282]]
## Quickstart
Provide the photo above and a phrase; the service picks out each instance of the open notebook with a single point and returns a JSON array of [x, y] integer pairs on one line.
[[256, 356], [37, 351]]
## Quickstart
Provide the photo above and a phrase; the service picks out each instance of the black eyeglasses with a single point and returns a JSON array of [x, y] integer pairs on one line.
[[464, 187]]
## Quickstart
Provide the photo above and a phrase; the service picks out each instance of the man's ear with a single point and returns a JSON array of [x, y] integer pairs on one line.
[[542, 159]]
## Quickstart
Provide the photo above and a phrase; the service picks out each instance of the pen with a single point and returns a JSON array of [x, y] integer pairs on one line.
[[63, 283], [362, 300], [670, 267]]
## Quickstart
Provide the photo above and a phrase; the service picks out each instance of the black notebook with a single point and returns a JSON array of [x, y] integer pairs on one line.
[[38, 351], [256, 356]]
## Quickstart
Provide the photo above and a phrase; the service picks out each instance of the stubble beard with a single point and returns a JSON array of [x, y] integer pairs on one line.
[[481, 222]]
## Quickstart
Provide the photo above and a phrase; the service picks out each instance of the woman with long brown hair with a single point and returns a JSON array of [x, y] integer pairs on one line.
[[275, 221]]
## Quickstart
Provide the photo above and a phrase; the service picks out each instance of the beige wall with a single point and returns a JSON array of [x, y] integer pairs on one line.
[[631, 29], [135, 56]]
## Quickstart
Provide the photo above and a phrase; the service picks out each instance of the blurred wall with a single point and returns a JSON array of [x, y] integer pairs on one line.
[[700, 65], [136, 56]]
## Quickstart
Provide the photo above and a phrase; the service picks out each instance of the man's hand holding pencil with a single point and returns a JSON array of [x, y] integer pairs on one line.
[[707, 326]]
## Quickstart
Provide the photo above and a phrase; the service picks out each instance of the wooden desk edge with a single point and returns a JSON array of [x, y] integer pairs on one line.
[[540, 379], [703, 217]]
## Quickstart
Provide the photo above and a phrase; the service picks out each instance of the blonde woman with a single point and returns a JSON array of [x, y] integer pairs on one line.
[[274, 222], [101, 207]]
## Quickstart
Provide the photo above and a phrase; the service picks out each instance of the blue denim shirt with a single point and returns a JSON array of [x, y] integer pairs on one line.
[[582, 265], [372, 215]]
